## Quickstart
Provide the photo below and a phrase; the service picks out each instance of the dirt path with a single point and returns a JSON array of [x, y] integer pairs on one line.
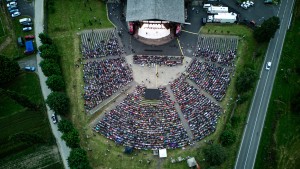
[[5, 43]]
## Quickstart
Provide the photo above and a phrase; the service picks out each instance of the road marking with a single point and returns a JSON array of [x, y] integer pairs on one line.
[[263, 95], [156, 76], [189, 32], [180, 47]]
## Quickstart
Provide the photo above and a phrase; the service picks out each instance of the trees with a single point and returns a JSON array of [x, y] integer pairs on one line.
[[78, 159], [215, 154], [245, 80], [58, 102], [50, 67], [267, 29], [65, 126], [8, 69], [45, 39], [49, 52], [228, 137], [71, 138], [55, 83]]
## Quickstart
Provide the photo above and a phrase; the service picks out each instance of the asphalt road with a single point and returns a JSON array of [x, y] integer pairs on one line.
[[255, 122], [64, 150]]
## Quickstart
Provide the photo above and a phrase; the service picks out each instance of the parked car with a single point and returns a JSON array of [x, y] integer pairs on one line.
[[16, 14], [26, 29], [26, 23], [13, 11], [268, 65], [29, 37], [54, 118], [268, 1], [11, 4], [20, 41], [29, 68], [12, 7], [11, 0], [25, 20]]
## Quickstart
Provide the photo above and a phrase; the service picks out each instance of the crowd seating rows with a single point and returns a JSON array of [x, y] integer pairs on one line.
[[200, 112], [225, 59], [144, 126], [209, 77], [99, 44], [103, 78], [160, 60]]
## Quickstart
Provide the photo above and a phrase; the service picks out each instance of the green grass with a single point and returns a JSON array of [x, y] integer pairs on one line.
[[280, 142]]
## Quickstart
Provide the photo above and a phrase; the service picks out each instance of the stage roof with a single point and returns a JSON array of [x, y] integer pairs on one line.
[[168, 10]]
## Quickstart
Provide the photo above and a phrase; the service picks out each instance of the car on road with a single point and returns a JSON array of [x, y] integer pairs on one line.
[[29, 68], [268, 65], [54, 118], [11, 4], [15, 14], [26, 29], [13, 11], [25, 20], [29, 37]]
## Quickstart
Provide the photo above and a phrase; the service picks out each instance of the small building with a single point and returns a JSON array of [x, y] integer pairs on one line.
[[163, 153]]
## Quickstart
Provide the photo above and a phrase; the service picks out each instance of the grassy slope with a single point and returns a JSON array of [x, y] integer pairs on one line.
[[14, 118], [282, 127]]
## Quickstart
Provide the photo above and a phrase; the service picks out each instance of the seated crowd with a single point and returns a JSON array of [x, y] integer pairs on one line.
[[103, 78], [200, 112], [209, 77], [160, 60], [210, 55], [144, 126], [110, 47]]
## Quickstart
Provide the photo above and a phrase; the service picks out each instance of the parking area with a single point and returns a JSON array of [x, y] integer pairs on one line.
[[26, 8]]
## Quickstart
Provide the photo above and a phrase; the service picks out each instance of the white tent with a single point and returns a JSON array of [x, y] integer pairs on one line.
[[191, 162], [162, 153]]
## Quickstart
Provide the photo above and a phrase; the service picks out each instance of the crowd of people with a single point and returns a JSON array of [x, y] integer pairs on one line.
[[103, 78], [144, 126], [102, 48], [209, 77], [157, 59], [210, 55], [200, 112]]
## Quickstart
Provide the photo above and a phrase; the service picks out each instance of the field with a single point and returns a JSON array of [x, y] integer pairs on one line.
[[280, 142], [15, 118], [65, 23]]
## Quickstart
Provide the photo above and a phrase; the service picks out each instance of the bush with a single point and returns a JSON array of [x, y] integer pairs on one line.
[[78, 159], [26, 138], [58, 102], [245, 80], [50, 67], [55, 83], [267, 30], [71, 138], [65, 126], [8, 69], [215, 154], [45, 39], [49, 52], [228, 137]]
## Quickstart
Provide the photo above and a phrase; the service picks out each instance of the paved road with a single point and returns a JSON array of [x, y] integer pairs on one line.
[[39, 27], [255, 122]]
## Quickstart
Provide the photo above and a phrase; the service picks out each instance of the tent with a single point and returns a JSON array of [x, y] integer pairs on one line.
[[128, 150], [29, 47], [162, 153], [191, 162]]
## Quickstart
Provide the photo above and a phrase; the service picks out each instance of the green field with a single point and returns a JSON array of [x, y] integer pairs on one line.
[[15, 118], [280, 142], [65, 22]]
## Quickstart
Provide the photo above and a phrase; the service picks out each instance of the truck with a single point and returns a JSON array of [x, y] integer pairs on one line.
[[221, 18], [217, 9], [29, 48]]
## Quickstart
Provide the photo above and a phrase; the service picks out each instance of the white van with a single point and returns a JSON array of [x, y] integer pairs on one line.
[[206, 6]]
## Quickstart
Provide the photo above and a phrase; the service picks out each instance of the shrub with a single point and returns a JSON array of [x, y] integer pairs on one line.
[[78, 159], [215, 154], [55, 83], [58, 102], [50, 67]]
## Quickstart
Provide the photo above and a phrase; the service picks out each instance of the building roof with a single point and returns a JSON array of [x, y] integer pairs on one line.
[[167, 10], [162, 153], [191, 162]]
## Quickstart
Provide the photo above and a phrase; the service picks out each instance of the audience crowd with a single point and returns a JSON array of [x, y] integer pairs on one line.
[[209, 77], [103, 48], [210, 55], [200, 112], [144, 126], [160, 60], [103, 78]]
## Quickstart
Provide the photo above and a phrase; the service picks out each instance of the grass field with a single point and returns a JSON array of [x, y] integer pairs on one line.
[[280, 142], [15, 118], [64, 24]]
